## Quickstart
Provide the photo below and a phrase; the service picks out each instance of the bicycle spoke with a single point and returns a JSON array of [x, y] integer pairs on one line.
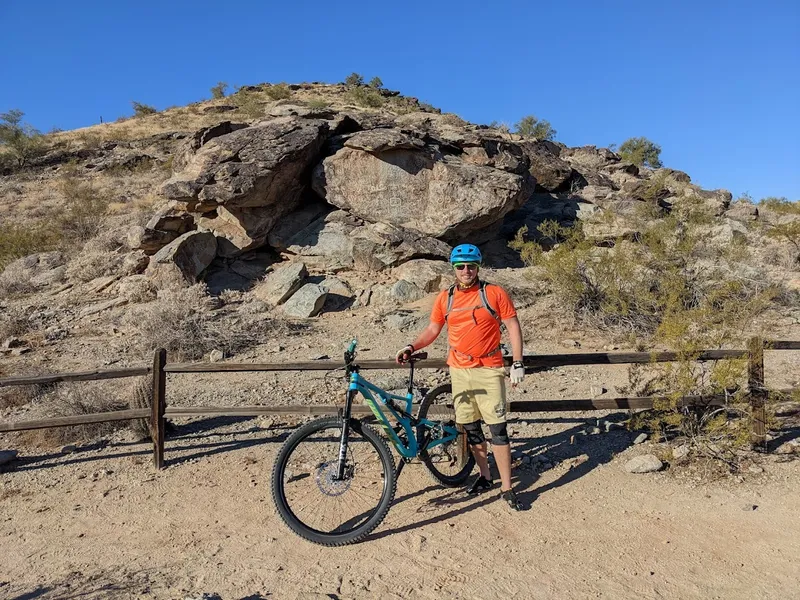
[[315, 495]]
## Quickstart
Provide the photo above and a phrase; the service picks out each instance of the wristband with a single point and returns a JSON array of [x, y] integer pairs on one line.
[[517, 363]]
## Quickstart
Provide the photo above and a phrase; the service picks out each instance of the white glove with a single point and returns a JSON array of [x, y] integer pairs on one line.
[[517, 373], [404, 354]]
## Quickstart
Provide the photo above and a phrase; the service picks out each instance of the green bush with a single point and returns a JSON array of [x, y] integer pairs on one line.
[[84, 208], [141, 110], [18, 240], [249, 103], [364, 96], [530, 126], [23, 141], [218, 91], [279, 91], [669, 288], [641, 151], [354, 80], [376, 83]]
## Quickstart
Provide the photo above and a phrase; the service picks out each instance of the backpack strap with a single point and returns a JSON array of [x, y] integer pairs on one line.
[[481, 292], [485, 300], [450, 292]]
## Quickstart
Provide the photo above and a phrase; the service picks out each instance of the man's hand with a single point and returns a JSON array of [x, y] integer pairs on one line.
[[517, 373], [404, 354]]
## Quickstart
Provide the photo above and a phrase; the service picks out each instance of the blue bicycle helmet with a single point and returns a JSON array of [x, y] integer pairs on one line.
[[466, 253]]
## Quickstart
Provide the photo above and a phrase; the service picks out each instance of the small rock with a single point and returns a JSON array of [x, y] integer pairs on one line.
[[20, 351], [68, 448], [275, 347], [569, 343], [216, 356], [6, 456], [321, 357], [642, 437], [593, 430], [680, 452], [646, 463], [749, 507], [790, 447], [597, 390], [12, 342], [755, 469]]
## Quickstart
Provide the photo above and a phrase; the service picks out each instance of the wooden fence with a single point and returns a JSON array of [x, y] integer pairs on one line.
[[159, 411]]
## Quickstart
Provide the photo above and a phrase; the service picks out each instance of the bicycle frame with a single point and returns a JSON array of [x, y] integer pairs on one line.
[[403, 416]]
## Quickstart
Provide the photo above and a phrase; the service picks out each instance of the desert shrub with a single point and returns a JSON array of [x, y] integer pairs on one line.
[[669, 288], [376, 83], [318, 103], [182, 322], [91, 140], [279, 91], [354, 80], [249, 103], [364, 96], [218, 91], [530, 126], [501, 126], [84, 207], [22, 140], [21, 239], [141, 397], [17, 395], [141, 110], [780, 220], [73, 399], [641, 151]]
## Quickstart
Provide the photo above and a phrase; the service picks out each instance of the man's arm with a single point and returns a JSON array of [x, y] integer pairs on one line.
[[430, 333], [515, 334], [427, 336]]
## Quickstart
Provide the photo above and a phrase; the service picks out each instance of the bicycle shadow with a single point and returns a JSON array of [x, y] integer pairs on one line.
[[582, 453]]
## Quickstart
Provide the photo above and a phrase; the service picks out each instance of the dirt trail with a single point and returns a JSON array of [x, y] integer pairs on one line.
[[100, 523]]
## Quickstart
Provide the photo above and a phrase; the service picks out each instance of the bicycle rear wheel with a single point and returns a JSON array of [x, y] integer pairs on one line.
[[451, 463], [317, 506]]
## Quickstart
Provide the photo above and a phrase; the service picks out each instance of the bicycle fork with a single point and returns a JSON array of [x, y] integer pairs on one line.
[[345, 433]]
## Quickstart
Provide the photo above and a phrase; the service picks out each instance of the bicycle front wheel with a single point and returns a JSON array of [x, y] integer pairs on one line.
[[317, 505], [451, 463]]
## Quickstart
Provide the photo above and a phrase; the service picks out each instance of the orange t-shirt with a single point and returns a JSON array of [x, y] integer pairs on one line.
[[471, 329]]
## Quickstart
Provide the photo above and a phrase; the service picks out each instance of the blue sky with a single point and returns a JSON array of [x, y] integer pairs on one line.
[[716, 84]]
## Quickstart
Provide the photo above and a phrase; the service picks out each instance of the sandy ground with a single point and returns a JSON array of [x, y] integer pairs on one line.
[[101, 523]]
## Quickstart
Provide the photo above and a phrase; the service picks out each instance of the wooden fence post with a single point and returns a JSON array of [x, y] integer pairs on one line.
[[158, 406], [758, 393]]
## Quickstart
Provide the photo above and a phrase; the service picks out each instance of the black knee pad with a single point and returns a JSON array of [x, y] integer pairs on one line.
[[475, 435], [499, 434]]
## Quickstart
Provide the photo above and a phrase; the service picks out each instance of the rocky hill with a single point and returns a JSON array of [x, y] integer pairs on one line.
[[347, 199]]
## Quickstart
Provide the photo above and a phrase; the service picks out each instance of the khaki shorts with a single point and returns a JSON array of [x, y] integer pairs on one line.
[[479, 393]]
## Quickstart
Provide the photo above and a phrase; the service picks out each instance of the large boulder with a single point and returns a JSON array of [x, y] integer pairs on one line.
[[279, 285], [181, 261], [552, 173], [387, 176], [427, 275], [306, 302], [238, 185]]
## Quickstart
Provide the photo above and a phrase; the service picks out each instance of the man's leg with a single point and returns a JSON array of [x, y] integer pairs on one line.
[[477, 445], [501, 448]]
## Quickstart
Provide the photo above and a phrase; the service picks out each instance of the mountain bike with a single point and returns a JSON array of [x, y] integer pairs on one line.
[[334, 478]]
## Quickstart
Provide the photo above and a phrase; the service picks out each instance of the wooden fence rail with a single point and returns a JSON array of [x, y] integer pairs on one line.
[[159, 412]]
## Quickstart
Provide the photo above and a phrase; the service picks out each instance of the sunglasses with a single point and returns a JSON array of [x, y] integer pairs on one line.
[[470, 266]]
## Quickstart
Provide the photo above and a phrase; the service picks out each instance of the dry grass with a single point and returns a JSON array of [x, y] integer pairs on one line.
[[185, 324], [73, 399]]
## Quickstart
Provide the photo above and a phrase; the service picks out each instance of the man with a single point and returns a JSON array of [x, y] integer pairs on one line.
[[473, 311]]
